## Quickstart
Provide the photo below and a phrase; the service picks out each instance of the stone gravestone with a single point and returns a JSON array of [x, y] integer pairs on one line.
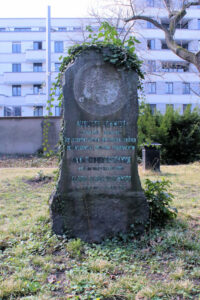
[[98, 194]]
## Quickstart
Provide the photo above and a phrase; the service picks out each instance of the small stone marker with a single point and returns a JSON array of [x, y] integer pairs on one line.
[[98, 194], [151, 157]]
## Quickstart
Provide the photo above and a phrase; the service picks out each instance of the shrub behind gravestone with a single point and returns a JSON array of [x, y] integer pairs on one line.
[[178, 134], [182, 142], [159, 200]]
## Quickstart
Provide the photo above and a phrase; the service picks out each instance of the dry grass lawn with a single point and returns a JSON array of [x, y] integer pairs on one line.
[[35, 264]]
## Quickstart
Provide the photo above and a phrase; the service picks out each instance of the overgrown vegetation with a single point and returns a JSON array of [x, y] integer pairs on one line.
[[35, 264], [159, 200], [178, 133]]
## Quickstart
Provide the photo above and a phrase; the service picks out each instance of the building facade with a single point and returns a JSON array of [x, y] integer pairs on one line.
[[169, 80], [23, 62]]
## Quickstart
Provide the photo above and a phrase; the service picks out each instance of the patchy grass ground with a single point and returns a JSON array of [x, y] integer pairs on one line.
[[27, 162], [35, 264]]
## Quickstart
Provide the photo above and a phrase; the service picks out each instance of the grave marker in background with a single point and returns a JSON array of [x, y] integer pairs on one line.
[[98, 193]]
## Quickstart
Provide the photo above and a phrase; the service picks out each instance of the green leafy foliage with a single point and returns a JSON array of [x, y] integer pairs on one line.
[[178, 134], [159, 200]]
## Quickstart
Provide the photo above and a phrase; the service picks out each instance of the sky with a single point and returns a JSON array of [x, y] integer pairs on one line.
[[38, 8]]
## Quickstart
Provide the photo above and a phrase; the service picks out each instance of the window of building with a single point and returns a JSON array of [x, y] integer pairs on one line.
[[95, 28], [182, 25], [165, 24], [151, 87], [16, 67], [37, 88], [24, 29], [12, 111], [151, 44], [150, 25], [151, 65], [169, 87], [184, 45], [38, 111], [58, 46], [150, 3], [57, 111], [186, 88], [16, 90], [62, 29], [175, 67], [37, 67], [164, 46], [198, 23], [153, 108], [42, 29], [77, 28], [16, 47], [57, 66], [69, 28], [37, 45]]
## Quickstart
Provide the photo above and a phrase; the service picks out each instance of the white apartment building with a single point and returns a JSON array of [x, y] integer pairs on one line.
[[169, 80], [23, 62]]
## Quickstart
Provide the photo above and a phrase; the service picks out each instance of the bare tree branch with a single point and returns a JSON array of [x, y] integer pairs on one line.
[[131, 6], [148, 19], [174, 18], [180, 51], [175, 15], [193, 3], [168, 6]]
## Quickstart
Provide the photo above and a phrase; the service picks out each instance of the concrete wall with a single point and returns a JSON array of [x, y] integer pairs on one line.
[[24, 135]]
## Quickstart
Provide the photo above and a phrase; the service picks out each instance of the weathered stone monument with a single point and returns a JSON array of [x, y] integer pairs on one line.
[[98, 194]]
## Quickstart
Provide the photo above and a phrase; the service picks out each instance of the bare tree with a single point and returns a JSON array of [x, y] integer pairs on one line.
[[176, 13], [111, 11]]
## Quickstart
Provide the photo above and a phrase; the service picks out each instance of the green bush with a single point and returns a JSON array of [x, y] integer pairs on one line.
[[75, 248], [178, 134], [159, 202]]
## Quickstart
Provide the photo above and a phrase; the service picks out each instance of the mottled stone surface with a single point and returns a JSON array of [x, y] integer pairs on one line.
[[98, 193]]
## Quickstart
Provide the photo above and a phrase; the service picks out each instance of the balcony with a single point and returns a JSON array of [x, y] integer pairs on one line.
[[27, 100], [35, 55], [38, 99], [10, 100], [171, 98], [3, 100], [181, 34], [174, 76], [158, 55], [23, 78], [12, 57]]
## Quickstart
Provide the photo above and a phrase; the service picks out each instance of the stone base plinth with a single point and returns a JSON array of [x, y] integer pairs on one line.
[[95, 217]]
